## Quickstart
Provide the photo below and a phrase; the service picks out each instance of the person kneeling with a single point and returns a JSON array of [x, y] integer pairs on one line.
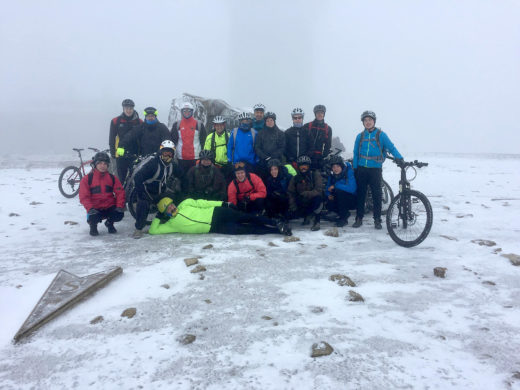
[[247, 191], [209, 216], [341, 190], [102, 195]]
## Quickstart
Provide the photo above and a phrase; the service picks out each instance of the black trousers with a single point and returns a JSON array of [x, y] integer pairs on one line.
[[229, 221], [307, 207], [253, 206], [141, 212], [276, 206], [369, 177], [342, 203], [110, 214], [122, 164]]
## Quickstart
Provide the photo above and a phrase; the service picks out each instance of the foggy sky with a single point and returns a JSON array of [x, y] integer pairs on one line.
[[441, 76]]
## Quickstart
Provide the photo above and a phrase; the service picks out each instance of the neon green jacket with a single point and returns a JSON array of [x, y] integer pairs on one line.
[[220, 150], [193, 216]]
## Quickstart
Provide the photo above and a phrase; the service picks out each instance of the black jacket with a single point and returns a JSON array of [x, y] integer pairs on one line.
[[296, 143], [320, 138], [277, 186], [155, 177], [120, 126], [145, 139], [270, 142], [206, 183]]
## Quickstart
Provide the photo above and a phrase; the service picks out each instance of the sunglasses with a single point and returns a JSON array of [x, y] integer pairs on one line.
[[296, 118]]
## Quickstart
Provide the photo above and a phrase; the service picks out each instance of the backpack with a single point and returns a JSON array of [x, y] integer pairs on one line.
[[248, 177], [235, 131], [378, 142]]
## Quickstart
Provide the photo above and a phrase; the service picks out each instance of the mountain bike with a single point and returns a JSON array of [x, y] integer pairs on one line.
[[409, 217], [69, 179]]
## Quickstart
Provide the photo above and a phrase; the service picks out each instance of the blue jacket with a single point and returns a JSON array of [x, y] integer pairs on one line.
[[370, 149], [244, 150], [345, 181]]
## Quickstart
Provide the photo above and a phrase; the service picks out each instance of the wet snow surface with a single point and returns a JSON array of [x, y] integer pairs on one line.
[[259, 308]]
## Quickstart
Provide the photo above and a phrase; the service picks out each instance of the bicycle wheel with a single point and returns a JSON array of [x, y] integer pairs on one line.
[[409, 218], [68, 182], [132, 207], [387, 196]]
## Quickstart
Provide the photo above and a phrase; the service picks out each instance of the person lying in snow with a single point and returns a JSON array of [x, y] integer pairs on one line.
[[209, 216]]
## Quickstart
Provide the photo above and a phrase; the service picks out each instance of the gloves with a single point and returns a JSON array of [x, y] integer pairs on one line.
[[120, 152], [399, 161], [229, 205], [92, 212], [247, 198]]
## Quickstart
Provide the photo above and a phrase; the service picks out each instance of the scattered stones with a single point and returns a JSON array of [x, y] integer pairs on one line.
[[272, 244], [342, 280], [267, 318], [275, 323], [446, 208], [14, 215], [484, 329], [209, 246], [321, 349], [486, 207], [489, 282], [19, 286], [355, 297], [449, 237], [505, 204], [129, 313], [317, 309], [484, 242], [442, 337], [191, 261], [166, 286], [202, 277], [516, 374], [440, 272], [497, 250], [34, 203], [187, 339], [513, 258], [291, 239], [332, 232], [70, 223], [322, 246], [208, 301], [96, 320], [464, 215], [198, 268]]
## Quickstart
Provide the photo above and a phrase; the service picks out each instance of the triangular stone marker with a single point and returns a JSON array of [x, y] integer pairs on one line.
[[64, 291]]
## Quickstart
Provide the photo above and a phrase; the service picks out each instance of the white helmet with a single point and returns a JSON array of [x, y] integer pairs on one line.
[[219, 119], [259, 106], [167, 144], [187, 106], [244, 115], [297, 111]]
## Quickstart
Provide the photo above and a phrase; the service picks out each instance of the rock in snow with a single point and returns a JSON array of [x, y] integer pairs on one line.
[[342, 280], [440, 272], [321, 349], [129, 313]]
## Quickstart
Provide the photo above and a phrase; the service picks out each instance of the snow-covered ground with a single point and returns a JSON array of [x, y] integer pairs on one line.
[[260, 307]]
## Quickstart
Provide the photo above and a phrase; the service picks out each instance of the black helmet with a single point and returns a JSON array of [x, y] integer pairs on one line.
[[303, 160], [271, 115], [274, 162], [320, 107], [206, 155], [150, 111], [128, 103], [336, 159], [369, 114], [99, 157]]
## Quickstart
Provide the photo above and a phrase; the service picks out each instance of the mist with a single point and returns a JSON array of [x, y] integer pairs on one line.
[[441, 76]]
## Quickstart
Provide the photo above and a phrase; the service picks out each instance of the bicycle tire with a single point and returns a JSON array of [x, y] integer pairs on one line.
[[419, 222], [387, 195], [69, 178], [132, 207]]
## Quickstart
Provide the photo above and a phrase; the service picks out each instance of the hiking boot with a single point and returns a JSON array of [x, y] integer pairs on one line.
[[358, 223], [306, 220], [137, 234], [316, 223], [93, 230], [110, 227], [341, 222], [283, 228], [377, 225]]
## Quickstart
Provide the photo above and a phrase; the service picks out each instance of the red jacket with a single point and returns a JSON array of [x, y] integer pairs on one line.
[[255, 191], [102, 193]]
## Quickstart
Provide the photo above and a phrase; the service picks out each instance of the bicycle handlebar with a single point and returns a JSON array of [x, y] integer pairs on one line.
[[403, 164]]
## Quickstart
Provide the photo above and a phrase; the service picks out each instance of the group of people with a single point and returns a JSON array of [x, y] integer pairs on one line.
[[252, 179]]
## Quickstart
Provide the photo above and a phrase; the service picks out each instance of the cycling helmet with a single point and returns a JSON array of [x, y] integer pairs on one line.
[[274, 162], [99, 157], [303, 160], [336, 159], [206, 155], [219, 119], [270, 114], [163, 204], [150, 111], [297, 111], [128, 103], [259, 107], [245, 115], [167, 145], [187, 106], [320, 107], [370, 114]]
